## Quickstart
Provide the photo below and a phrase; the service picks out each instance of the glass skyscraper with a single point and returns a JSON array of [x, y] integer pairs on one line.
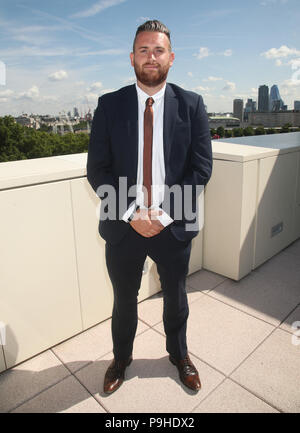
[[263, 98], [276, 103]]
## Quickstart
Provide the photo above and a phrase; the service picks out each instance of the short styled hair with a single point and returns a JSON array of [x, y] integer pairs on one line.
[[153, 26]]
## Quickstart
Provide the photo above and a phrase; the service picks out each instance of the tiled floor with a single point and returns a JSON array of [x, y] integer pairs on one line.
[[240, 337]]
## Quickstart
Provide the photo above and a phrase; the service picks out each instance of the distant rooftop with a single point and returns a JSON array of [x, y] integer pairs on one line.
[[273, 141]]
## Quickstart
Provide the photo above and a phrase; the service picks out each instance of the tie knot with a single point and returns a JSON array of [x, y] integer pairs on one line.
[[149, 102]]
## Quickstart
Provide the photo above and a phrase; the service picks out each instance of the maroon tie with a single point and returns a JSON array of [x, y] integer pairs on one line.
[[148, 137]]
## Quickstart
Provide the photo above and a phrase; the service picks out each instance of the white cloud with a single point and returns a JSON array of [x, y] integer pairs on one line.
[[130, 80], [273, 2], [201, 89], [142, 19], [95, 86], [97, 8], [213, 79], [295, 63], [229, 86], [283, 51], [91, 97], [203, 52], [227, 53], [103, 91], [292, 82], [58, 76], [32, 93], [5, 93]]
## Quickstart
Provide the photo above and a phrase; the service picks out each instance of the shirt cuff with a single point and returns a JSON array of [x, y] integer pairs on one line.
[[164, 218], [128, 212]]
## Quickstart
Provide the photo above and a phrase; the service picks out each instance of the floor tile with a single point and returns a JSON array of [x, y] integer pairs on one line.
[[202, 282], [151, 310], [232, 398], [290, 324], [88, 346], [221, 335], [272, 372], [284, 268], [267, 298], [294, 248], [29, 378], [152, 383], [67, 396]]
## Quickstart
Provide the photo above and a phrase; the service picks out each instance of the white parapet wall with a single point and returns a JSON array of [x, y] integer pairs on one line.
[[252, 202], [54, 282]]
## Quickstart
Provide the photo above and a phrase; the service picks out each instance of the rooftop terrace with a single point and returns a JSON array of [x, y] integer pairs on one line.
[[240, 338]]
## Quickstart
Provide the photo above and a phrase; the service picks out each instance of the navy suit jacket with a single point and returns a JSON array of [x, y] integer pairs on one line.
[[113, 153]]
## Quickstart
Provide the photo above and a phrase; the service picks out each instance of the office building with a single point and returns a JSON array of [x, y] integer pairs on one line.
[[275, 101], [263, 98], [238, 109], [274, 119], [250, 107]]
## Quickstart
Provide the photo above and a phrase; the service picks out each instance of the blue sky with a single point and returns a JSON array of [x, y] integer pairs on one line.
[[62, 54]]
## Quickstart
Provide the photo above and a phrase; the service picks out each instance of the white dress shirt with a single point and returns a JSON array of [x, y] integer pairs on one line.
[[158, 163]]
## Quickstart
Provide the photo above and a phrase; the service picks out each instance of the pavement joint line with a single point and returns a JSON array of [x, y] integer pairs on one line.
[[99, 403], [38, 393], [209, 394], [242, 311], [217, 285], [257, 395]]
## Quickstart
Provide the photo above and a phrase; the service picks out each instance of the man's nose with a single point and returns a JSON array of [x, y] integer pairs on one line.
[[151, 55]]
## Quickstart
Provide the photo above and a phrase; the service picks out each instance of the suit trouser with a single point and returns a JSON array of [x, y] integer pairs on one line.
[[125, 263]]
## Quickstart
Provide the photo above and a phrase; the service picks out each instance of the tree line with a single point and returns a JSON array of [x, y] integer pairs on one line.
[[249, 130], [20, 142]]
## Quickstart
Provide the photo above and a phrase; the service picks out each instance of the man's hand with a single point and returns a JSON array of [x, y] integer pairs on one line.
[[145, 222]]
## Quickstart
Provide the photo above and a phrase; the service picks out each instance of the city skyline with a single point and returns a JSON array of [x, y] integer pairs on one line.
[[58, 58]]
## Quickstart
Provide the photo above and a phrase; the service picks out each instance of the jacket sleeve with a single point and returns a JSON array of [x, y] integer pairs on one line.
[[99, 159], [198, 170]]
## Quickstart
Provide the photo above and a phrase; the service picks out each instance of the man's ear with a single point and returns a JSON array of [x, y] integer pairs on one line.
[[172, 58], [132, 59]]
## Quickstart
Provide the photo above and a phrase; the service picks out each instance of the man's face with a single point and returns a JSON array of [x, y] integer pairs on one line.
[[152, 58]]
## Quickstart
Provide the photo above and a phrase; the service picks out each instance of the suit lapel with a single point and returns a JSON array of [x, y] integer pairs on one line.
[[170, 115]]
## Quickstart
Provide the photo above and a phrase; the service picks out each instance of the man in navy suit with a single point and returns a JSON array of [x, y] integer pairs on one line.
[[149, 156]]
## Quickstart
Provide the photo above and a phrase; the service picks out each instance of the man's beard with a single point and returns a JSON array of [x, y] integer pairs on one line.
[[151, 78]]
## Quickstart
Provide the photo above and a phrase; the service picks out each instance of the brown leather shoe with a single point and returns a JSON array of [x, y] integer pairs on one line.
[[114, 376], [188, 373]]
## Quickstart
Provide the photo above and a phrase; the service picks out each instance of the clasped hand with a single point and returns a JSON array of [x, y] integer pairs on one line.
[[146, 223]]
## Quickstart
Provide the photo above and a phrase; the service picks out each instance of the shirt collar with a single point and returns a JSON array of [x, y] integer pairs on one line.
[[144, 96]]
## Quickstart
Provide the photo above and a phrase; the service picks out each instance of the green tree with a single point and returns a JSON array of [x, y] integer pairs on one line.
[[286, 128], [237, 132], [228, 133], [20, 142], [271, 131], [248, 131], [260, 130], [221, 131]]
